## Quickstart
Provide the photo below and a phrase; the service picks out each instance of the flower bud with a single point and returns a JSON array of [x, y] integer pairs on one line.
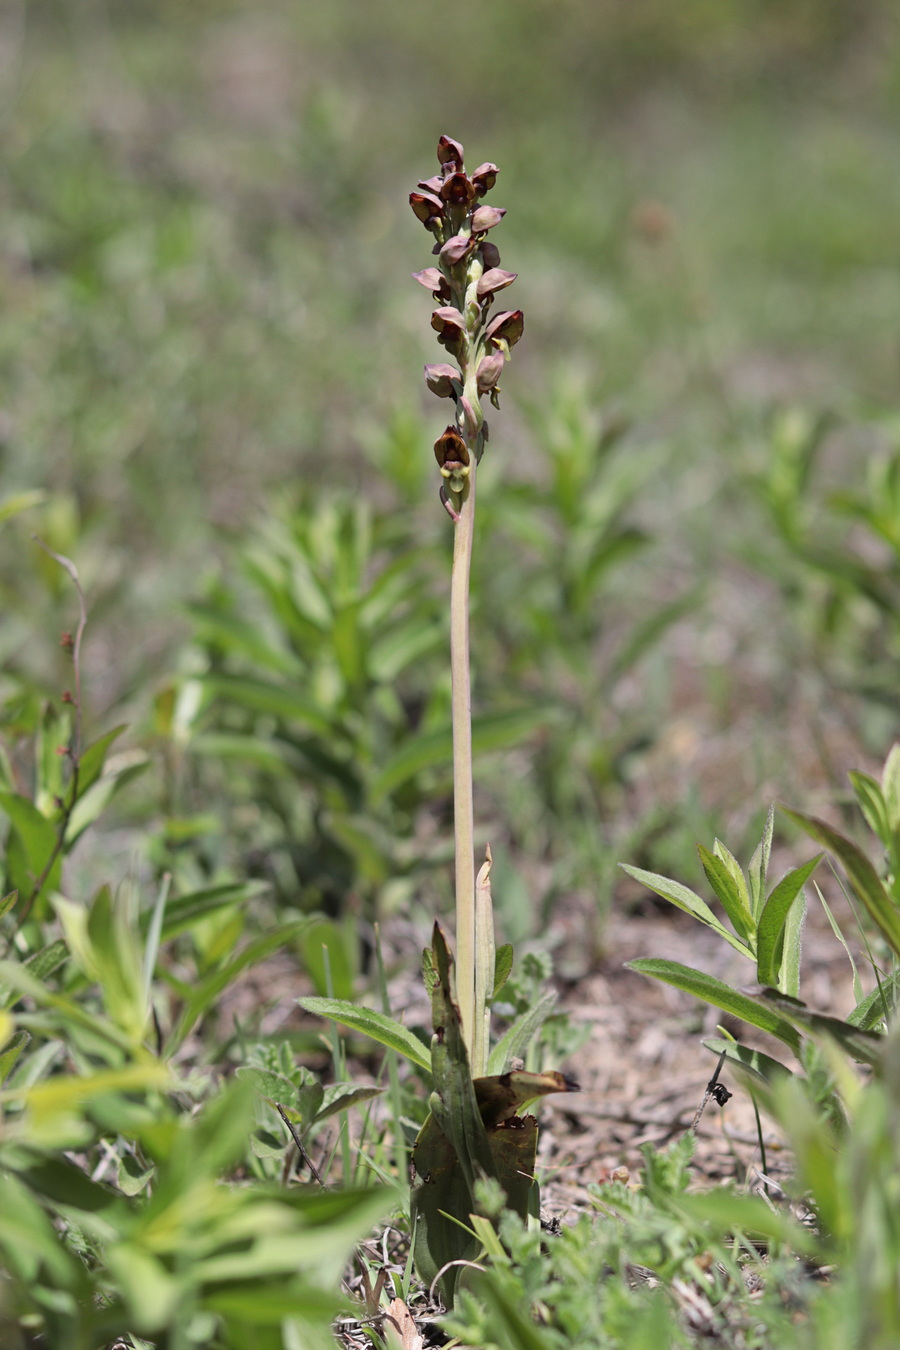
[[450, 153], [486, 217], [484, 178], [443, 380], [469, 416], [494, 280], [489, 372]]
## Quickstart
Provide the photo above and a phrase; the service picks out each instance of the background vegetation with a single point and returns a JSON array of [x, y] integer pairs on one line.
[[686, 577]]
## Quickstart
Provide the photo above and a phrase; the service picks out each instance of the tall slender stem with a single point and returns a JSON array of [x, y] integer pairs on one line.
[[463, 806]]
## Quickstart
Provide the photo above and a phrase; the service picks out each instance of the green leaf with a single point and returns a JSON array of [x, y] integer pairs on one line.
[[719, 876], [865, 881], [872, 804], [865, 1046], [47, 960], [435, 748], [36, 836], [890, 786], [374, 1024], [720, 995], [341, 1096], [516, 1040], [278, 1089], [264, 697], [93, 758], [688, 901], [759, 865], [11, 1052], [877, 1006], [753, 1063], [773, 918], [212, 986], [132, 1175], [183, 913], [20, 501], [503, 964], [749, 1214]]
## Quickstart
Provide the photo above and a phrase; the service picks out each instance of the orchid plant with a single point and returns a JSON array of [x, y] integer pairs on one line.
[[474, 1131]]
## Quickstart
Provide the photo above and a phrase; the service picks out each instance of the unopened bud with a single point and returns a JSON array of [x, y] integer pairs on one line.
[[66, 642], [66, 697]]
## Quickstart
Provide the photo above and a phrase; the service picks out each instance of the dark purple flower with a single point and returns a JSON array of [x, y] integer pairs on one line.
[[450, 154], [484, 178], [433, 281], [489, 372], [458, 190], [490, 254], [426, 207]]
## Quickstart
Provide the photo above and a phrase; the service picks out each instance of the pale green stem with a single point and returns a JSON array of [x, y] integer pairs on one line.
[[484, 968], [463, 807]]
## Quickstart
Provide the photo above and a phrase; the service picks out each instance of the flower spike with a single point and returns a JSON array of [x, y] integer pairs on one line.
[[464, 282]]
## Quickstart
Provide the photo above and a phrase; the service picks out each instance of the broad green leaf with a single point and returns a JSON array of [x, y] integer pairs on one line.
[[264, 1144], [734, 903], [688, 901], [7, 902], [791, 947], [759, 865], [773, 917], [516, 1040], [753, 1063], [878, 1006], [503, 964], [865, 881], [17, 978], [37, 838], [720, 995], [68, 1093], [244, 638], [734, 868], [374, 1024]]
